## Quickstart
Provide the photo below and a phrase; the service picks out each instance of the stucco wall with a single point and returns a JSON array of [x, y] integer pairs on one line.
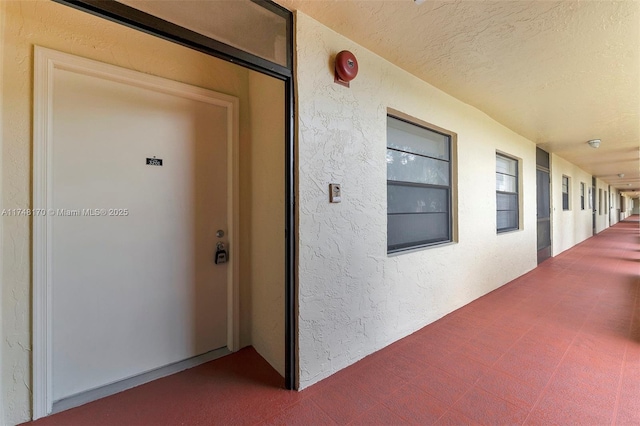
[[353, 298], [59, 27], [267, 217], [572, 226]]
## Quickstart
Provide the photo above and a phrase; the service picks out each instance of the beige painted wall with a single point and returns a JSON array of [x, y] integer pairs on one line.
[[353, 298], [569, 227], [59, 27], [267, 244]]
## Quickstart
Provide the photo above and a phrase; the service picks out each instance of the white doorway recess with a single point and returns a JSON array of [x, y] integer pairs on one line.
[[133, 175]]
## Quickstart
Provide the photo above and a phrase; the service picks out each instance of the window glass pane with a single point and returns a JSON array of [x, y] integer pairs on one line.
[[418, 186], [242, 24], [506, 165], [418, 140], [506, 193], [506, 183], [542, 158], [407, 167], [416, 199], [507, 202], [507, 219], [406, 230]]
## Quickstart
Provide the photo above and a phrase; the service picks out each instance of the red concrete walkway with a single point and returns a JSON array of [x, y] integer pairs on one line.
[[560, 345]]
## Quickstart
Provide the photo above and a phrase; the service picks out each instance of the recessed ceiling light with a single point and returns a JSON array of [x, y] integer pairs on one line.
[[620, 175], [594, 143], [418, 2]]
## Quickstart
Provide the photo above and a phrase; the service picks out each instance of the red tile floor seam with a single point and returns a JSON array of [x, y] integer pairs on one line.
[[558, 345]]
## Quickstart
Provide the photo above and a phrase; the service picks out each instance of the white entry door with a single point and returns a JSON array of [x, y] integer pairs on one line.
[[137, 189]]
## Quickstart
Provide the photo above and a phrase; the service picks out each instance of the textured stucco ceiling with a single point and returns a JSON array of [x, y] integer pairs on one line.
[[557, 72]]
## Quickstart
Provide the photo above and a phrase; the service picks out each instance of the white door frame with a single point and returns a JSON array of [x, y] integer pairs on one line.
[[46, 61]]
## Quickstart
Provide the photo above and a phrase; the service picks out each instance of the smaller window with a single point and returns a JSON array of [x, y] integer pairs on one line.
[[606, 203], [506, 193], [565, 192], [582, 186]]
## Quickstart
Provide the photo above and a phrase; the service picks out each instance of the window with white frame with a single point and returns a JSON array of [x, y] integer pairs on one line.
[[418, 186], [582, 195], [565, 192], [507, 211]]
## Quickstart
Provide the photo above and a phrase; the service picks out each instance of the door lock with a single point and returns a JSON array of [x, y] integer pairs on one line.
[[221, 254]]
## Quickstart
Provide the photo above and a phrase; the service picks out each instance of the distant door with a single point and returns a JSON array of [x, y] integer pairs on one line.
[[593, 203], [137, 190], [611, 207], [543, 205]]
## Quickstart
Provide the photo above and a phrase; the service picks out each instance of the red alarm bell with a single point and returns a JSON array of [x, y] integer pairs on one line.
[[346, 68]]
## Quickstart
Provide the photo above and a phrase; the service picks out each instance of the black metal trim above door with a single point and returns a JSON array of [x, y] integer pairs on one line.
[[141, 21]]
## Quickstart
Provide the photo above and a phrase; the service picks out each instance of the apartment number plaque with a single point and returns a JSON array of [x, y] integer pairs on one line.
[[154, 161]]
